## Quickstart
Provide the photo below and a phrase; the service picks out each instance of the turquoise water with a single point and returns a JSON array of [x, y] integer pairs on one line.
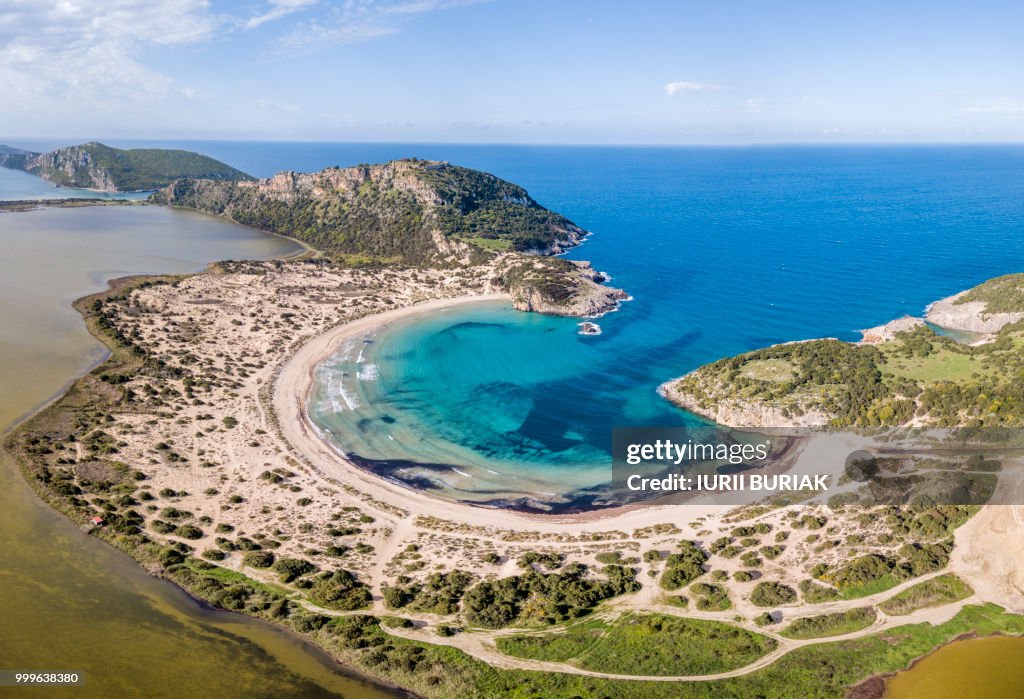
[[724, 250]]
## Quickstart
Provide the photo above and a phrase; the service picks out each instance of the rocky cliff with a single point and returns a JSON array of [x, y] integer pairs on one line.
[[100, 167], [409, 211], [958, 312], [556, 286]]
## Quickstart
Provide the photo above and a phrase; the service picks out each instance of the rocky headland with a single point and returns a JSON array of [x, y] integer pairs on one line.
[[901, 373], [100, 167], [417, 214]]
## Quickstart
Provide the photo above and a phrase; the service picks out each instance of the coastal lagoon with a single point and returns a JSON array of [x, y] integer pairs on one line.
[[69, 601], [978, 667]]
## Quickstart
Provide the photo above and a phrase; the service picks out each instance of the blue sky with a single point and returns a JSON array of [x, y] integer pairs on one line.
[[554, 71]]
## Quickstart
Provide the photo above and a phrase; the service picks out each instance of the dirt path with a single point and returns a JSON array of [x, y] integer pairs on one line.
[[482, 647]]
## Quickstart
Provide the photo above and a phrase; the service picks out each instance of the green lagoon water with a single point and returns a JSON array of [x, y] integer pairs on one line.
[[979, 668], [67, 600]]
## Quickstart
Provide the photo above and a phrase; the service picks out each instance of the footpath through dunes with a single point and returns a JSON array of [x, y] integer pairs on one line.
[[484, 645]]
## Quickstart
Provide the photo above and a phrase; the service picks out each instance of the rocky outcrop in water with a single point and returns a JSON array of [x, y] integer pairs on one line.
[[970, 316]]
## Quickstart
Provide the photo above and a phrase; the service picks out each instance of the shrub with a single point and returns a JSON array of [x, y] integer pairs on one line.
[[772, 594], [710, 598], [340, 590], [258, 559], [292, 568], [684, 567], [187, 531], [544, 598]]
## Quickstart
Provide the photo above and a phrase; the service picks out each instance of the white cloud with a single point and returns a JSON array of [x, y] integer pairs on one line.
[[53, 52], [355, 21], [754, 104], [687, 86], [278, 9]]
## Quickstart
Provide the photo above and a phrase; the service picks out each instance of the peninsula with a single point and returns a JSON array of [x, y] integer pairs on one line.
[[100, 167], [417, 214], [902, 374]]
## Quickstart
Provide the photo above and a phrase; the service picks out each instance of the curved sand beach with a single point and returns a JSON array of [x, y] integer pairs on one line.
[[290, 396]]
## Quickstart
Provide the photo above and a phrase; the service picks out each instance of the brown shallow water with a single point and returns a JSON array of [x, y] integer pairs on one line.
[[68, 601], [980, 668]]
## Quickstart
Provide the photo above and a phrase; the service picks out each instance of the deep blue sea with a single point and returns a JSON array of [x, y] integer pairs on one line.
[[723, 249]]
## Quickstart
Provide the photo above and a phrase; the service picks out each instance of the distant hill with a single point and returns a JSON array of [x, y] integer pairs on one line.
[[407, 211], [97, 166]]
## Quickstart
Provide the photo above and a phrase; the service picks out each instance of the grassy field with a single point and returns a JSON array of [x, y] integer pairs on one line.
[[835, 624], [770, 370], [936, 592], [941, 365], [646, 644], [886, 582], [554, 647]]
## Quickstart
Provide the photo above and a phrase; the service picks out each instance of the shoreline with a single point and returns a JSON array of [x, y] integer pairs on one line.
[[289, 401]]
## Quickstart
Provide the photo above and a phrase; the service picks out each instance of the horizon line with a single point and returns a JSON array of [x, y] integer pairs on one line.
[[753, 144]]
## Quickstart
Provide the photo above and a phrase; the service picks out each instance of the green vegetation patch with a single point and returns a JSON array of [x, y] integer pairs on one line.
[[536, 598], [710, 598], [918, 374], [440, 593], [684, 567], [835, 624], [873, 573], [648, 644], [772, 594], [554, 647], [944, 589]]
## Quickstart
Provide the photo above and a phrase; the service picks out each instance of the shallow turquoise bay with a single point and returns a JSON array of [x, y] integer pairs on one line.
[[724, 250]]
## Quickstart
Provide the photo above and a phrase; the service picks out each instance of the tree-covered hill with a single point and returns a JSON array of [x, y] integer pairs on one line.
[[405, 211]]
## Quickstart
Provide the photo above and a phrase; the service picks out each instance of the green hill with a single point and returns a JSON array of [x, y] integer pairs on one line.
[[97, 166], [908, 375], [407, 211]]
